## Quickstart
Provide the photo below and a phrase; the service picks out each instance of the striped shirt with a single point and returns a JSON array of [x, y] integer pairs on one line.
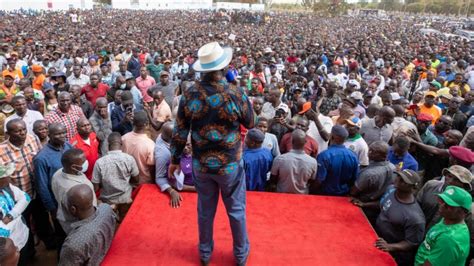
[[68, 119], [22, 157]]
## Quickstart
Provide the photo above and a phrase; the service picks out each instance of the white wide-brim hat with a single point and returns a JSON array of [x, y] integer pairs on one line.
[[212, 57]]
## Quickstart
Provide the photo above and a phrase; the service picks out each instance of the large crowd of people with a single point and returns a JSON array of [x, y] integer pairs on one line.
[[95, 103]]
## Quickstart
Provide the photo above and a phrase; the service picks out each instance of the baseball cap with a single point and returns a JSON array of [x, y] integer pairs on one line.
[[6, 170], [368, 93], [462, 154], [354, 121], [167, 61], [424, 117], [446, 96], [456, 197], [340, 131], [357, 95], [8, 75], [164, 73], [354, 83], [395, 96], [435, 84], [306, 107], [409, 176], [461, 173], [431, 93]]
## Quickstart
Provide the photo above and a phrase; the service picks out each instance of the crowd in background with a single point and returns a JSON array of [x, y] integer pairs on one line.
[[345, 106]]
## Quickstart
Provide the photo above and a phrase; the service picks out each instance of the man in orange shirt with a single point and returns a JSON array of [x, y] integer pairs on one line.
[[429, 107], [12, 70], [39, 77], [8, 89]]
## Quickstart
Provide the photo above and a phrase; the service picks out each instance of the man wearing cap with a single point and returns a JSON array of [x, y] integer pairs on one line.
[[293, 172], [12, 70], [8, 89], [359, 111], [423, 121], [429, 107], [257, 160], [355, 142], [60, 82], [338, 166], [401, 223], [167, 86], [212, 111], [427, 197], [447, 242], [39, 77], [458, 117]]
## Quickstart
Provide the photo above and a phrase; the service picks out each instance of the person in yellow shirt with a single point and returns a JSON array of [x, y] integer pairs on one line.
[[429, 106], [460, 83], [8, 89]]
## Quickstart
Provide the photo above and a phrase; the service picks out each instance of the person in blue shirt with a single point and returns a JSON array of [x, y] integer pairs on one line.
[[257, 160], [399, 156], [338, 167], [46, 163]]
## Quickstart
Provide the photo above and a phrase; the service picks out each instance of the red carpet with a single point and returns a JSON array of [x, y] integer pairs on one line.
[[283, 229]]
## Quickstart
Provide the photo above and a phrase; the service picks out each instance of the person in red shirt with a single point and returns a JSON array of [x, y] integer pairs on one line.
[[86, 140], [310, 147], [95, 89]]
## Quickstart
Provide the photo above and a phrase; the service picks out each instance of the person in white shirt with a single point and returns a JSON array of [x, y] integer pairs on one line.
[[274, 103], [355, 142], [179, 68], [13, 203], [319, 124], [23, 113], [340, 78], [77, 78]]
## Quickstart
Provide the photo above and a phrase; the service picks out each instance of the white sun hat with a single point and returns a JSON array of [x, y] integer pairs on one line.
[[212, 57]]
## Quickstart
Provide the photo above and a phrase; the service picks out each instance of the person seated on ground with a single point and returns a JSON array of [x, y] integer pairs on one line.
[[427, 197], [447, 242], [162, 161], [270, 142], [399, 156], [13, 203], [294, 171], [93, 231], [373, 180], [338, 166], [401, 222], [311, 146], [355, 142], [186, 164], [9, 253], [112, 174], [74, 164], [257, 160]]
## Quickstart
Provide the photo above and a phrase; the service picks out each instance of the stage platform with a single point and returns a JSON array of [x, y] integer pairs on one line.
[[284, 229]]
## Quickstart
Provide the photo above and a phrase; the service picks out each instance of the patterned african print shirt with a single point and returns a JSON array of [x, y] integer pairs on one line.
[[213, 114]]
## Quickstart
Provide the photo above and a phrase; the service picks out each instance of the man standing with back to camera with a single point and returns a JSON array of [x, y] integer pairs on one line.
[[212, 111]]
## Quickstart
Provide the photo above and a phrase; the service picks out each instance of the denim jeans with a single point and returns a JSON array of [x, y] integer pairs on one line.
[[232, 188]]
